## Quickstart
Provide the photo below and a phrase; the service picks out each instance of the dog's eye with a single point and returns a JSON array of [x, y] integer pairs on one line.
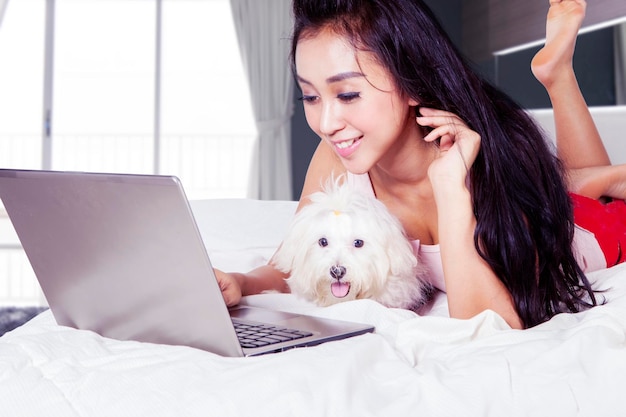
[[323, 242], [358, 243]]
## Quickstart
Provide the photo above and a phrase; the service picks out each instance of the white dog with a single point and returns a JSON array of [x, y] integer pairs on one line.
[[345, 245]]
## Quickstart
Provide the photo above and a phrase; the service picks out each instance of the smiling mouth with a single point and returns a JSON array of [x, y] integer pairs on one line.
[[345, 144]]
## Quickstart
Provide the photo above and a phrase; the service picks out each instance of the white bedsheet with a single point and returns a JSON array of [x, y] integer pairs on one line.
[[575, 364], [430, 365]]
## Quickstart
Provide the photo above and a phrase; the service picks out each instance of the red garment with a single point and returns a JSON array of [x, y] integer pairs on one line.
[[607, 221]]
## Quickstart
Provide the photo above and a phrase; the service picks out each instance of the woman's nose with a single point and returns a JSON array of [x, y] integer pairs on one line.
[[330, 120]]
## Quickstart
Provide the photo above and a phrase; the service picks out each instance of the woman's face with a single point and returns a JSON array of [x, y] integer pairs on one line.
[[351, 102]]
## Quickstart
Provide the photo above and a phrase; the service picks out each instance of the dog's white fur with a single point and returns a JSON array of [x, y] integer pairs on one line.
[[324, 239]]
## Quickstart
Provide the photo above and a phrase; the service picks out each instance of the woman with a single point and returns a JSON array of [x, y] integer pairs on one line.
[[465, 170]]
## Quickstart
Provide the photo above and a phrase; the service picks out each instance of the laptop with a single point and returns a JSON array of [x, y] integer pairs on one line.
[[121, 255]]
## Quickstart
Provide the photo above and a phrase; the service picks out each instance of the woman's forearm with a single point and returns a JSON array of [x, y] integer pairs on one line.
[[263, 278], [471, 284]]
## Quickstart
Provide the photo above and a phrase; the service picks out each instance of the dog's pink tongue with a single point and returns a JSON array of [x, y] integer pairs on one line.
[[340, 289]]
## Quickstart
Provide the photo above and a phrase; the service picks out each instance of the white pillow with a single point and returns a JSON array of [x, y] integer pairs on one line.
[[611, 124], [241, 234]]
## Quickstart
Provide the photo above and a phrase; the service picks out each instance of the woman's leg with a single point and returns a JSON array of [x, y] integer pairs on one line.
[[577, 139], [578, 142], [599, 181]]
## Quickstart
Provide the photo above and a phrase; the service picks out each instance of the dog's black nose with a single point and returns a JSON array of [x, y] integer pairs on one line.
[[337, 271]]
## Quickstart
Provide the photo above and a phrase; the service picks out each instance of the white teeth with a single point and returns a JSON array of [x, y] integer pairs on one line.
[[345, 144]]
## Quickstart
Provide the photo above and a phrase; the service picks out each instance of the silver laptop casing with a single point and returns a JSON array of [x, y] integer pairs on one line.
[[121, 255]]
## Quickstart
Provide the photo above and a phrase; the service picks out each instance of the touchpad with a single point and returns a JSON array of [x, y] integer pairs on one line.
[[261, 315]]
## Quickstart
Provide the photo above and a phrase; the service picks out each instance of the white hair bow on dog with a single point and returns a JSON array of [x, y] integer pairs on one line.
[[345, 245]]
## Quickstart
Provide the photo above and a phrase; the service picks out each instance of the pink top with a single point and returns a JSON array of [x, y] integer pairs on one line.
[[586, 247]]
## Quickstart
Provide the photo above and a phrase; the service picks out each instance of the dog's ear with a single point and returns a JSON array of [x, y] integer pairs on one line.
[[295, 245], [294, 254], [402, 259], [399, 250]]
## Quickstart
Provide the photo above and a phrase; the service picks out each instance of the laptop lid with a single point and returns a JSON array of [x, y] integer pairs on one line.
[[121, 255]]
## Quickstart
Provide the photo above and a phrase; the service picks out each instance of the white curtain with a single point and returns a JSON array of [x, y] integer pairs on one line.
[[263, 31], [3, 7], [620, 64]]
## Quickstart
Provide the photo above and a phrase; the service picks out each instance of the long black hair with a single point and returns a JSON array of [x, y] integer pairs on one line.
[[524, 214]]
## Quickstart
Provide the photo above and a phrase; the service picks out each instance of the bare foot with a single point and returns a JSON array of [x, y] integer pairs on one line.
[[562, 25]]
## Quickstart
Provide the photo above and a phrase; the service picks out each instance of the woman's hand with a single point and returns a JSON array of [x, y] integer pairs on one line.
[[458, 146], [231, 289], [235, 285]]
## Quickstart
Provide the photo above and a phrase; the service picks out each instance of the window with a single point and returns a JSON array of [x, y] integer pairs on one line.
[[207, 126], [105, 116], [21, 83], [103, 85], [139, 86]]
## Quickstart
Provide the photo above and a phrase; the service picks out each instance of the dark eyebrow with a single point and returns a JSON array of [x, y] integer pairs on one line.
[[336, 78], [344, 76]]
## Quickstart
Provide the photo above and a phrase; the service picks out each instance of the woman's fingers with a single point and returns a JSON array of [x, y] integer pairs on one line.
[[447, 133], [454, 137], [446, 126]]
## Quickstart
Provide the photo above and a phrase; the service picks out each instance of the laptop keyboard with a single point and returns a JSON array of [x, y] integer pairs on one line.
[[253, 335]]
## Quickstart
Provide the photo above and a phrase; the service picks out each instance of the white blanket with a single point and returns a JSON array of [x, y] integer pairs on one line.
[[431, 365]]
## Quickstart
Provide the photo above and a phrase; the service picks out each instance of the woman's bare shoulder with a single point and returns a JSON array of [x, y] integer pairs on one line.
[[323, 165]]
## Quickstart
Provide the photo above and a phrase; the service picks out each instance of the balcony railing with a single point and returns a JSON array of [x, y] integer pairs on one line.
[[214, 166], [18, 285]]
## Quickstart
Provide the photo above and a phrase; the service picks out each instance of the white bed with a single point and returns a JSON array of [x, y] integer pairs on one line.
[[430, 365]]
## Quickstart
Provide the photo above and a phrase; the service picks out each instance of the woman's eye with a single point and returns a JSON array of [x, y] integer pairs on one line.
[[308, 99], [358, 243], [323, 242], [348, 97]]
